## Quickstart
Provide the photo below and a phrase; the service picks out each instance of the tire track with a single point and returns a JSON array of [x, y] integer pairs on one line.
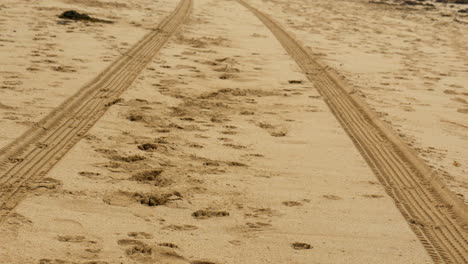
[[435, 215], [33, 154]]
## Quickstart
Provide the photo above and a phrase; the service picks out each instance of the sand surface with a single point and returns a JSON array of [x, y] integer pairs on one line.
[[43, 63], [407, 62], [222, 151]]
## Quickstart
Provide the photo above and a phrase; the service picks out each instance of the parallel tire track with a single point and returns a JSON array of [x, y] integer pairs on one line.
[[435, 215], [33, 154]]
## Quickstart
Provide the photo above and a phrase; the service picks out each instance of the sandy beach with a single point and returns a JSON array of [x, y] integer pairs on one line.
[[222, 131]]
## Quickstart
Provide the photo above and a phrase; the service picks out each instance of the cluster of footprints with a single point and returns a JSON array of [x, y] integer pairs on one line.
[[169, 160], [178, 137]]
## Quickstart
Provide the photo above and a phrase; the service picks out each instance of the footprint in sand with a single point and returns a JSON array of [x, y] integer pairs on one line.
[[128, 159], [71, 239], [136, 249], [142, 252], [227, 76], [88, 174], [228, 132], [45, 184], [151, 147], [278, 133], [295, 81], [133, 117], [140, 235], [372, 196], [332, 197], [236, 164], [211, 164], [32, 69], [163, 130], [13, 83], [291, 203], [234, 146], [257, 226], [181, 227], [155, 199], [256, 155], [264, 213], [216, 119], [245, 112], [91, 248], [273, 130], [152, 177], [169, 245], [130, 242], [300, 246], [194, 145], [18, 220], [121, 198], [66, 69], [205, 214]]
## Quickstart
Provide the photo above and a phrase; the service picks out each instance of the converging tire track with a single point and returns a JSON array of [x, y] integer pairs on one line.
[[33, 154], [434, 214]]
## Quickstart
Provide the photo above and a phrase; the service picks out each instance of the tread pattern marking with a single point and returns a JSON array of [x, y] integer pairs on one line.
[[437, 218], [32, 155]]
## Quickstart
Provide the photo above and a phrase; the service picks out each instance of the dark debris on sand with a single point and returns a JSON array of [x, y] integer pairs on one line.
[[74, 15]]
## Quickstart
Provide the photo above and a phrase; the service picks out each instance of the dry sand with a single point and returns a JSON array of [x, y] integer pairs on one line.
[[43, 63], [408, 63], [222, 151]]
